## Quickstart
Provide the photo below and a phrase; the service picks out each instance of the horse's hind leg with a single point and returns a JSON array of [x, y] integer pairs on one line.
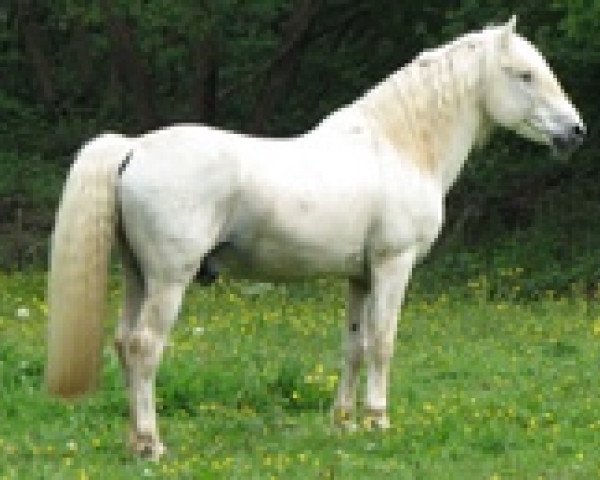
[[145, 344], [353, 347], [132, 305]]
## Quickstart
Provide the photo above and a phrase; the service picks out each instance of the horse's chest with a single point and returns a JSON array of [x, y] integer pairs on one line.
[[412, 217]]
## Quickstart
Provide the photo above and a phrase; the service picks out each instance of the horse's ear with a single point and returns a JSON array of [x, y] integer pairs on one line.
[[507, 31], [512, 24]]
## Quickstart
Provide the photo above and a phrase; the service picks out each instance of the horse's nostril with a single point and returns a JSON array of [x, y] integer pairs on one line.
[[579, 130]]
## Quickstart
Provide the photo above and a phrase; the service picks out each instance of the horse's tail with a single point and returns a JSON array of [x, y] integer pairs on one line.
[[79, 261]]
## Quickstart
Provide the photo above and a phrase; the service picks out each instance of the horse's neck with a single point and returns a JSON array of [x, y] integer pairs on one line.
[[430, 121], [469, 128]]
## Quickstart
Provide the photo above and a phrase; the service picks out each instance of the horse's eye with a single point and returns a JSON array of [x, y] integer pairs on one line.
[[526, 77]]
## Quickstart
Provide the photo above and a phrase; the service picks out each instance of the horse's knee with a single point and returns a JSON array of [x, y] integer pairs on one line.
[[354, 349], [141, 342], [380, 348], [143, 347]]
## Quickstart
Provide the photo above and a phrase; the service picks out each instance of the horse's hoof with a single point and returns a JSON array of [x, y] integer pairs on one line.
[[150, 450], [341, 419], [147, 446], [376, 420]]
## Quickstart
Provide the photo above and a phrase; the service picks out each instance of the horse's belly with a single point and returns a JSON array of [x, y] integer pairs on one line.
[[272, 258], [294, 225]]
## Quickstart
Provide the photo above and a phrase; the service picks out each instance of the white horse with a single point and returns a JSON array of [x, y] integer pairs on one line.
[[360, 196]]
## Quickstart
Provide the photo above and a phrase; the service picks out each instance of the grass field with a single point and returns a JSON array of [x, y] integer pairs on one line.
[[482, 389]]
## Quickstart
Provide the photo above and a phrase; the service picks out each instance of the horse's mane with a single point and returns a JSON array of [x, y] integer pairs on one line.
[[416, 106]]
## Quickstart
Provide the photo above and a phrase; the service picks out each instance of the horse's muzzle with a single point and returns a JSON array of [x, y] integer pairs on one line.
[[567, 141]]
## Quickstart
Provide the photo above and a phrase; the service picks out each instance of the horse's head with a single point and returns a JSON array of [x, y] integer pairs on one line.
[[524, 95]]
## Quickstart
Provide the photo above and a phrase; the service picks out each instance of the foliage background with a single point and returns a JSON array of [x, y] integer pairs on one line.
[[235, 400], [72, 69]]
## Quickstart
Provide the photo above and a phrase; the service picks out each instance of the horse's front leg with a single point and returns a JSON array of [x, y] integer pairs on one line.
[[353, 347], [144, 350], [389, 280]]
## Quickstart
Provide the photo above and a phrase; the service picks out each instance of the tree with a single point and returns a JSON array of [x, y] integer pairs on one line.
[[34, 41], [131, 67]]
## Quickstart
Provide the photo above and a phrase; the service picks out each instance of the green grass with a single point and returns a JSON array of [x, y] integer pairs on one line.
[[481, 389]]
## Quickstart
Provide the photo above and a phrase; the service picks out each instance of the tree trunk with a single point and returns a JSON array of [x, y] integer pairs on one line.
[[204, 95], [34, 41], [283, 67], [83, 59], [130, 66]]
